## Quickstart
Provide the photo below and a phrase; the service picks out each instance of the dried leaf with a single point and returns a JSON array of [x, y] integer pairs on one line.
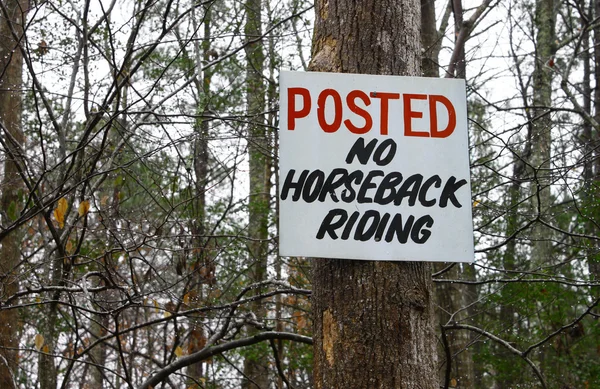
[[39, 341], [179, 352], [61, 211], [171, 306], [42, 48], [167, 314], [186, 299], [69, 247], [45, 349], [197, 340], [453, 382], [84, 208]]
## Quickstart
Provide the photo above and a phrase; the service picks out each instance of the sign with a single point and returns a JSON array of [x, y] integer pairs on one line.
[[374, 168]]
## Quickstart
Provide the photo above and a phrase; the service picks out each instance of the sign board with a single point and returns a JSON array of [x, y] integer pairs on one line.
[[374, 168]]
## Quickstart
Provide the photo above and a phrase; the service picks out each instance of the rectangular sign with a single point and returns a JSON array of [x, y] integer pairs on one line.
[[374, 168]]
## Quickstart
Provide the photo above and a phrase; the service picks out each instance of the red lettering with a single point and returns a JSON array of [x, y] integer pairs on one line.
[[435, 133], [293, 114], [409, 114], [337, 110], [300, 108], [351, 101], [385, 98]]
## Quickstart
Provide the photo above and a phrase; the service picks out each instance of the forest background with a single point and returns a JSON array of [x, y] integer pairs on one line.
[[138, 226]]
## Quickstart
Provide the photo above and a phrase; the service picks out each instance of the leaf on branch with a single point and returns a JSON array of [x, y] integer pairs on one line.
[[39, 341], [179, 351], [84, 208], [61, 211]]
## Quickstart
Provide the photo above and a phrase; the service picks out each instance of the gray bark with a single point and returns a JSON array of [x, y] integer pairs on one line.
[[372, 320], [545, 17]]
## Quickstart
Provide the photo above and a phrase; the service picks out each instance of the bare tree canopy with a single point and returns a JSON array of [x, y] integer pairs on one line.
[[139, 186]]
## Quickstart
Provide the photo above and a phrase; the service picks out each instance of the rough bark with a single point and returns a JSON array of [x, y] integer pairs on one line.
[[372, 320], [256, 371], [12, 20]]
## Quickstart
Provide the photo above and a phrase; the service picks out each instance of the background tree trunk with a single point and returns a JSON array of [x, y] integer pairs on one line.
[[545, 15], [451, 298], [256, 369], [594, 265], [203, 267], [12, 20], [372, 320]]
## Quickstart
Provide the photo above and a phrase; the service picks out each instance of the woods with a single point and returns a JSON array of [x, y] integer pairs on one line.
[[139, 225]]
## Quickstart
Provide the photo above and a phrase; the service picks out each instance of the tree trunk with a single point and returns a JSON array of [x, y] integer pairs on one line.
[[545, 18], [373, 321], [256, 363], [594, 265], [203, 267], [452, 298], [12, 19]]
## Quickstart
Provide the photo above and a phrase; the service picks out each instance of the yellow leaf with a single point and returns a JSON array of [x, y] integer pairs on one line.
[[179, 352], [45, 349], [84, 208], [39, 341], [60, 212], [167, 314], [476, 203], [186, 299], [156, 307], [38, 299], [453, 382]]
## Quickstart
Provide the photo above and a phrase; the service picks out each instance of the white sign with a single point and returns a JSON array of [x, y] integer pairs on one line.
[[374, 167]]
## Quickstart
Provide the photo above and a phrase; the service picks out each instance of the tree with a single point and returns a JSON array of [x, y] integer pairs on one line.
[[12, 21], [256, 371], [393, 344], [139, 225]]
